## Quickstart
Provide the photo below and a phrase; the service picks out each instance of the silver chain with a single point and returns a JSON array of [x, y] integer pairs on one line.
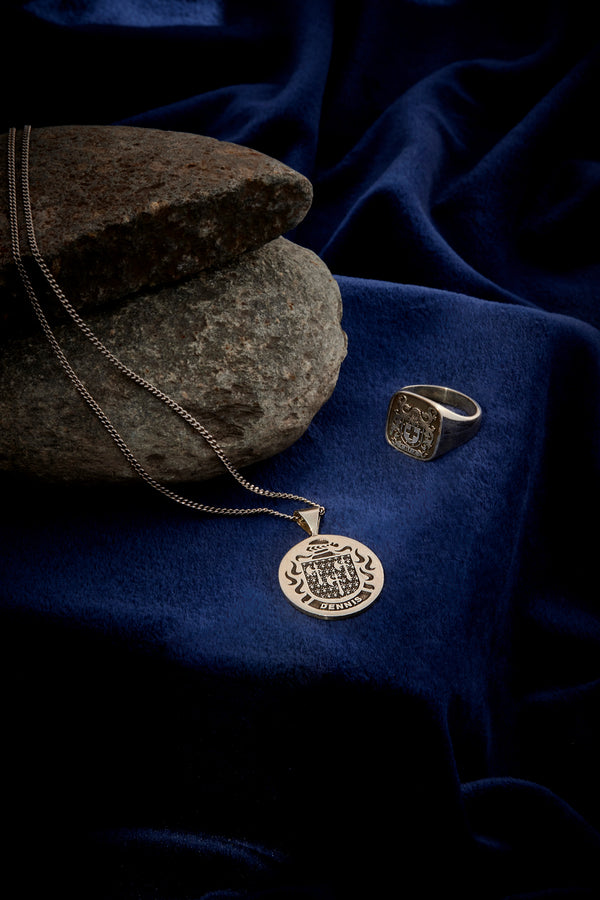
[[108, 355]]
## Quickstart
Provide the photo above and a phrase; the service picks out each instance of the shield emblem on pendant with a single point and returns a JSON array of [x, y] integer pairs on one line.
[[331, 577]]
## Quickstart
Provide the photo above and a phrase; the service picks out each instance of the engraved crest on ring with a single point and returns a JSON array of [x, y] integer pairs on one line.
[[412, 427], [331, 576]]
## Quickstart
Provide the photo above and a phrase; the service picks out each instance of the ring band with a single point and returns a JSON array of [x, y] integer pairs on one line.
[[421, 423]]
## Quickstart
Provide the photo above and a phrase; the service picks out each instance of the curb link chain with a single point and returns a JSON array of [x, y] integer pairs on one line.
[[124, 369]]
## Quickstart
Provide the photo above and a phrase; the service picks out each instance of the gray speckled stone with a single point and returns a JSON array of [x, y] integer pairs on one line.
[[120, 209], [252, 349]]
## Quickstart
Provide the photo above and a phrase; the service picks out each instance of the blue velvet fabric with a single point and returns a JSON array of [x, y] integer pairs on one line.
[[172, 727]]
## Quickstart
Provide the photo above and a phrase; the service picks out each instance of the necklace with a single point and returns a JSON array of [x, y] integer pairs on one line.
[[328, 576]]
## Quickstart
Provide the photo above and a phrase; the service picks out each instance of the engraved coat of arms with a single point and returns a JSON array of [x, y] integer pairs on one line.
[[412, 427], [330, 575]]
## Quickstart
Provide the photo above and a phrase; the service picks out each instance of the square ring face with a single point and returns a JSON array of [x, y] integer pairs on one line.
[[413, 425]]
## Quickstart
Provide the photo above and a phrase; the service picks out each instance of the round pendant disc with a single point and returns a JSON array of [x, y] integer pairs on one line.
[[331, 576]]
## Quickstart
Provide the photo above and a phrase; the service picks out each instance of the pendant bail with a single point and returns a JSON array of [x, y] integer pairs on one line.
[[309, 519]]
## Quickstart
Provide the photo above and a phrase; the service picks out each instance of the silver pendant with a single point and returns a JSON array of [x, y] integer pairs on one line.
[[328, 575]]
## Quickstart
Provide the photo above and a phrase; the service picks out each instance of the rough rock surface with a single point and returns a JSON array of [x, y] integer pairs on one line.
[[251, 349], [120, 209]]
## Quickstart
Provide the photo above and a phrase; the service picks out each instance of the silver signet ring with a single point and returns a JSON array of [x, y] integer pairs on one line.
[[426, 420]]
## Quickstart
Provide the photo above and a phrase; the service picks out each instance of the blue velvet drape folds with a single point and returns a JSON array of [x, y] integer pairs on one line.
[[172, 727]]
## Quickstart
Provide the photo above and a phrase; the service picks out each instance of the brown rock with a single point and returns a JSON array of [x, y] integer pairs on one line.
[[252, 350], [120, 209]]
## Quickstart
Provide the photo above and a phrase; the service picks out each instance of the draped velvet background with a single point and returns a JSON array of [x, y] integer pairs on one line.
[[172, 727]]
